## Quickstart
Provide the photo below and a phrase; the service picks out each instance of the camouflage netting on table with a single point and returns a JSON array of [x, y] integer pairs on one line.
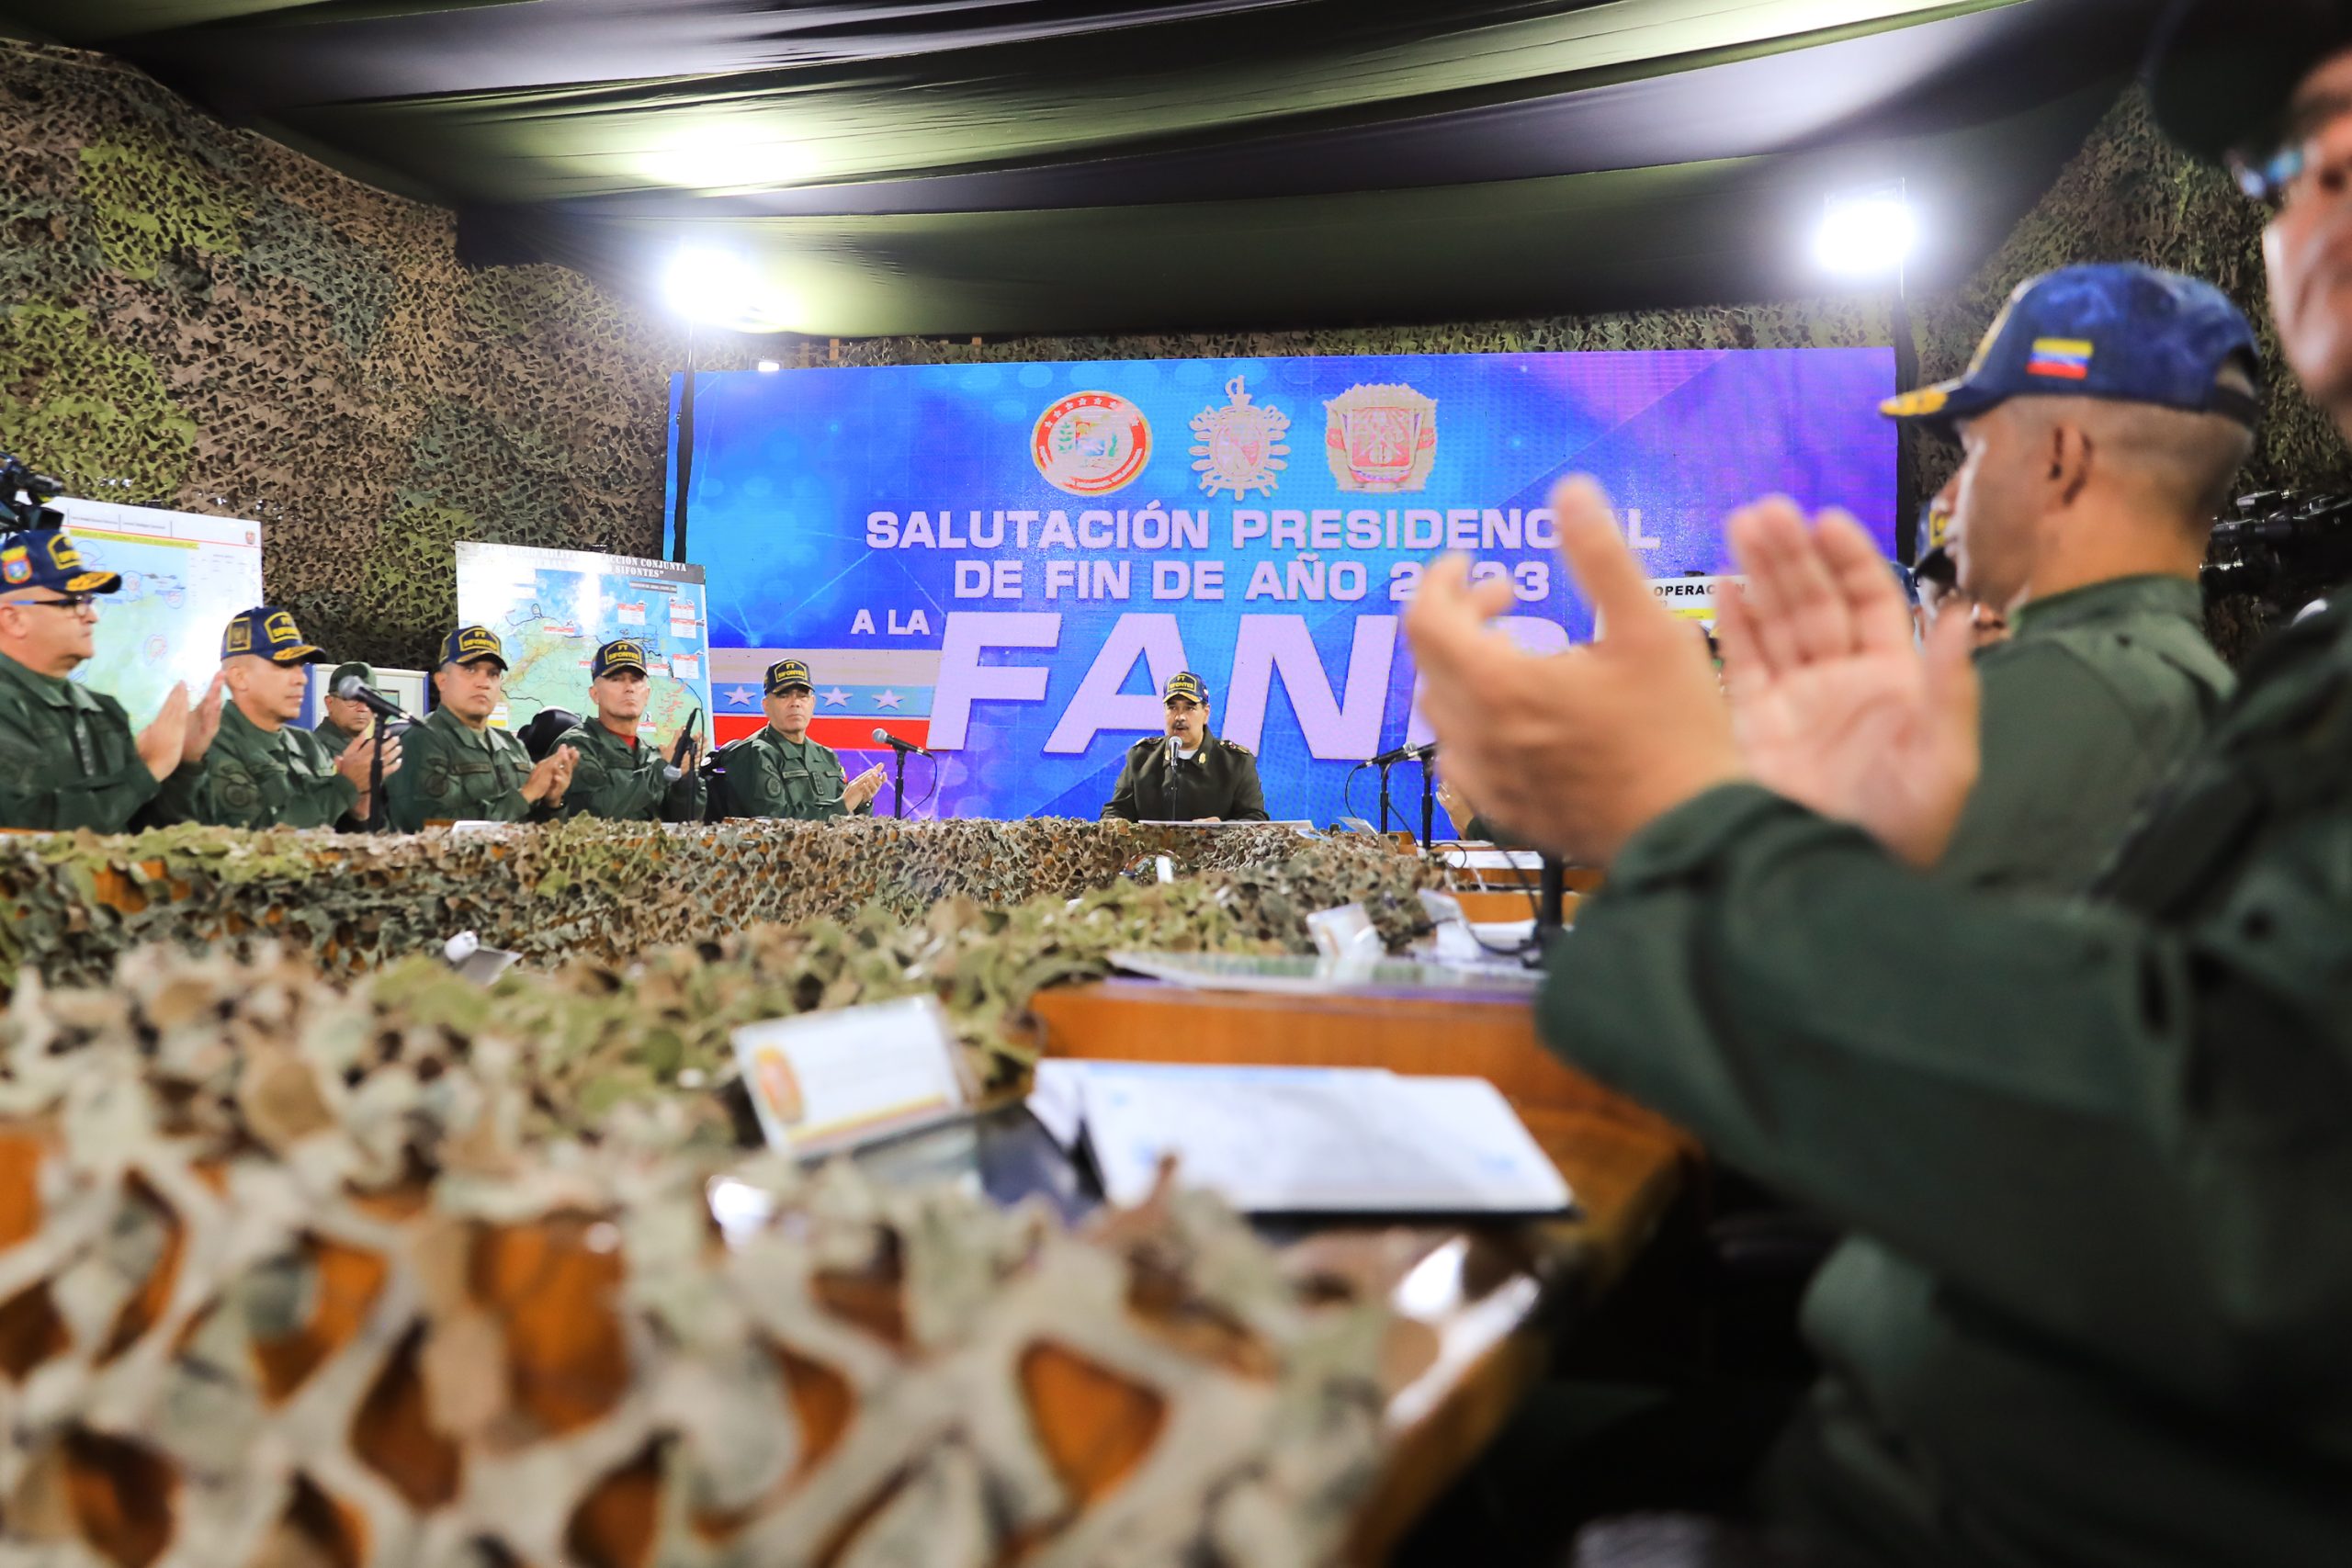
[[76, 902], [288, 1275]]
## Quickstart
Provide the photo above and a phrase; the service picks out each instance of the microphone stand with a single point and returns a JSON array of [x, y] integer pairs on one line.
[[1428, 805], [1168, 775], [1551, 896], [899, 788], [379, 821], [1383, 796]]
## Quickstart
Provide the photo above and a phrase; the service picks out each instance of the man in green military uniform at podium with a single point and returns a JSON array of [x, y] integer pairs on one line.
[[620, 776], [261, 770], [779, 772], [1187, 774], [459, 769]]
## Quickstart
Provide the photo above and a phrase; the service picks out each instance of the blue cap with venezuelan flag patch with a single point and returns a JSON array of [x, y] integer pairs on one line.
[[2117, 331], [45, 557]]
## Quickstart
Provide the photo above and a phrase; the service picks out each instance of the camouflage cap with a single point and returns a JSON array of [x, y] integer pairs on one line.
[[366, 673]]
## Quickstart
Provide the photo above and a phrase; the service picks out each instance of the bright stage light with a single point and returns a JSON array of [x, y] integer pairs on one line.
[[1869, 233], [705, 283], [771, 365]]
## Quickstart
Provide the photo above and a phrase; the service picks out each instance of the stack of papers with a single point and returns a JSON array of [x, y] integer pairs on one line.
[[1300, 1140]]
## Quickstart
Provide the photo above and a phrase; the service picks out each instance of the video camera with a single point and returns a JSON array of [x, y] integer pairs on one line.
[[25, 496], [2280, 541]]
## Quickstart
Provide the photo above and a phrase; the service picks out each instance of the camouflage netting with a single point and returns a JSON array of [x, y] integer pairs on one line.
[[287, 1278], [577, 889]]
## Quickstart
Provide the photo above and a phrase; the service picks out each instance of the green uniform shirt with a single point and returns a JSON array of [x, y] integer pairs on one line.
[[450, 770], [625, 780], [68, 759], [770, 776], [1219, 780], [2096, 696], [257, 778], [335, 737], [2096, 1311]]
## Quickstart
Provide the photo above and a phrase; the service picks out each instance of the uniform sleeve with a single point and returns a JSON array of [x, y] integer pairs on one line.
[[1122, 804], [321, 797], [34, 794], [1248, 800], [750, 782], [686, 800], [2119, 1133], [423, 789], [598, 789], [2064, 765]]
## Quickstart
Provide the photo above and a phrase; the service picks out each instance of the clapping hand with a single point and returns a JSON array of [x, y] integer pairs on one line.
[[164, 740], [862, 788], [1832, 704], [204, 720], [356, 762], [1573, 751], [552, 776]]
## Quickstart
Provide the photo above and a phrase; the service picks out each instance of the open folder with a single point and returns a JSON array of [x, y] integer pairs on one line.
[[1301, 1140]]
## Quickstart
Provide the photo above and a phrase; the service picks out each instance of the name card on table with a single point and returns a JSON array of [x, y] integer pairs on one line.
[[832, 1080]]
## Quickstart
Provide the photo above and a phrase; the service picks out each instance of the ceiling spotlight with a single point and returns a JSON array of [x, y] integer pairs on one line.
[[770, 366], [705, 283], [1866, 233]]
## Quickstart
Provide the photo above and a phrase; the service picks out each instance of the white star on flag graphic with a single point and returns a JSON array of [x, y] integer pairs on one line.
[[742, 696], [837, 698], [888, 700]]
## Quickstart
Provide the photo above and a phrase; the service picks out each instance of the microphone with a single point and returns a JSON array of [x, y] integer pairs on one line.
[[352, 689], [676, 769], [887, 738], [1420, 753]]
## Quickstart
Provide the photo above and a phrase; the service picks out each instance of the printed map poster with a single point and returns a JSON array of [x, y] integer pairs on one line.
[[554, 608], [1006, 562], [183, 577]]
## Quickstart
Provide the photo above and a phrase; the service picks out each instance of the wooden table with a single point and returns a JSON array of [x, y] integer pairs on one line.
[[1477, 1305]]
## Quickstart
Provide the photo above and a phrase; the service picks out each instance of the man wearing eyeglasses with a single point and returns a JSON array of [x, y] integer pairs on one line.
[[68, 758], [2099, 1321]]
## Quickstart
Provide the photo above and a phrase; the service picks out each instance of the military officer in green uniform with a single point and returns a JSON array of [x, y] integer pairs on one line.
[[68, 758], [263, 770], [779, 772], [2092, 1311], [2101, 424], [618, 775], [345, 719], [458, 768], [1187, 774]]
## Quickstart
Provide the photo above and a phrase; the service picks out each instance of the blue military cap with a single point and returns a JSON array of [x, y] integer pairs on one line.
[[2118, 331], [46, 557], [266, 632], [789, 673], [622, 653], [469, 643], [1184, 683]]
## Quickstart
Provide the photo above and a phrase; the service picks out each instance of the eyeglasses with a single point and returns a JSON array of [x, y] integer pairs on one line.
[[73, 604], [2276, 175]]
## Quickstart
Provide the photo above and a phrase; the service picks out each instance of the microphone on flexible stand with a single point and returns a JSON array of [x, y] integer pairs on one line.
[[885, 738], [352, 689]]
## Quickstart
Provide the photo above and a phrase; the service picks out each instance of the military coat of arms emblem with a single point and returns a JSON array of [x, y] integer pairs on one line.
[[1241, 446], [1381, 439], [1091, 443]]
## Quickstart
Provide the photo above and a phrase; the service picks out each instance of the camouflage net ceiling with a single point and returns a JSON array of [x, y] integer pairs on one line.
[[732, 923], [294, 1275]]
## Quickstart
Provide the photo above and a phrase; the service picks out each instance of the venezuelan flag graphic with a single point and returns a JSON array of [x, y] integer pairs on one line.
[[2069, 358], [857, 689]]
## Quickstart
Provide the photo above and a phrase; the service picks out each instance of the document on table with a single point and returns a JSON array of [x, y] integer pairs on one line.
[[1302, 1140]]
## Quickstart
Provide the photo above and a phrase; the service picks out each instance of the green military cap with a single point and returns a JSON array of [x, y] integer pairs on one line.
[[619, 654], [268, 632], [366, 673], [1186, 684], [469, 643], [787, 673]]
